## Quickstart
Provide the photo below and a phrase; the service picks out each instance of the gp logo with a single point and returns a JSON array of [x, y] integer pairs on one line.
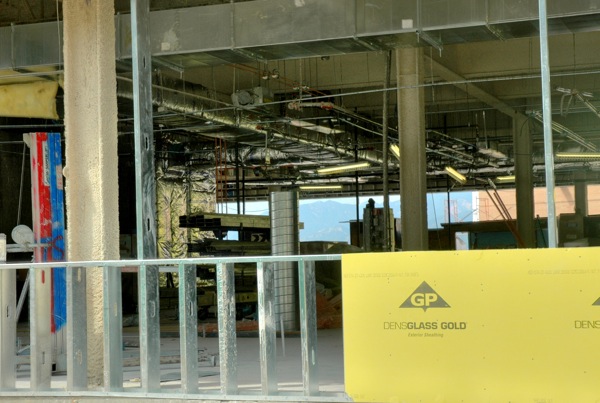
[[424, 297]]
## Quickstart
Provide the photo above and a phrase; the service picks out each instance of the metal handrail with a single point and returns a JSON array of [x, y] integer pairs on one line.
[[76, 328]]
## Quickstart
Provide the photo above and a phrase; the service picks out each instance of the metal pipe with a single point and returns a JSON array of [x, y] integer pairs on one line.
[[244, 191], [547, 111], [436, 84], [21, 184], [167, 262], [358, 232], [386, 192], [41, 125]]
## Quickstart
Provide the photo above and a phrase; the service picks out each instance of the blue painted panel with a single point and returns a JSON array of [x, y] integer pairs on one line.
[[59, 283]]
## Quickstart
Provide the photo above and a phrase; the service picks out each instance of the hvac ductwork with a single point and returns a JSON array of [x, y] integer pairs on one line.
[[189, 99], [285, 241], [285, 29]]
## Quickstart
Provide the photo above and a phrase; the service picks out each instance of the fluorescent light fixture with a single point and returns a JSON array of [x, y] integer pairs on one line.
[[577, 156], [343, 168], [505, 179], [457, 176], [395, 150], [320, 187]]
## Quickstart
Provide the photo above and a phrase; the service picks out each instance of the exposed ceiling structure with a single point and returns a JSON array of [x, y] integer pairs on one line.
[[270, 91]]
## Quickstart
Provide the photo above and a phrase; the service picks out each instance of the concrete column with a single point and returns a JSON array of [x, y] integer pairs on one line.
[[581, 203], [91, 153], [411, 133], [524, 181]]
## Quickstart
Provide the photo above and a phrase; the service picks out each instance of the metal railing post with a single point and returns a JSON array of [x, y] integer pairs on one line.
[[149, 328], [113, 329], [8, 323], [40, 336], [188, 328], [308, 326], [227, 328], [77, 334], [267, 326], [76, 329]]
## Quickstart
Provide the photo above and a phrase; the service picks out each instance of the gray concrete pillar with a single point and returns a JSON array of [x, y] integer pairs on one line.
[[91, 188], [524, 181], [411, 133], [581, 199]]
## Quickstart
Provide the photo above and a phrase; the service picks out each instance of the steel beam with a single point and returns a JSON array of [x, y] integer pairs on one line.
[[145, 190], [548, 136], [145, 193]]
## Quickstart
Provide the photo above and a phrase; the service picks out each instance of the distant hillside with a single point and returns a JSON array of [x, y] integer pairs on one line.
[[326, 221]]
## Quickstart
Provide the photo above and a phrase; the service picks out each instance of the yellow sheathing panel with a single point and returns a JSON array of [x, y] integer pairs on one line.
[[31, 100], [473, 326]]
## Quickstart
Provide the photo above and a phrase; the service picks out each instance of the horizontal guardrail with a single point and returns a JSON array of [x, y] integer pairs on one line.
[[148, 308]]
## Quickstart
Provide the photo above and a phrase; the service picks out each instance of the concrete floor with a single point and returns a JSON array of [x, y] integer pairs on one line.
[[289, 370]]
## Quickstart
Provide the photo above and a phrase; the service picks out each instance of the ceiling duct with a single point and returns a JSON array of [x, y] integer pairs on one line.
[[193, 100]]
